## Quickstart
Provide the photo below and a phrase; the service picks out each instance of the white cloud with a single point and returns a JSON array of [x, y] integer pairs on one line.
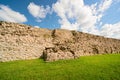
[[83, 16], [36, 26], [75, 15], [39, 12], [111, 30], [105, 4], [7, 14], [68, 9]]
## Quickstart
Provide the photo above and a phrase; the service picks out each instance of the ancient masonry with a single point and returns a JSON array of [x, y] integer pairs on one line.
[[22, 42]]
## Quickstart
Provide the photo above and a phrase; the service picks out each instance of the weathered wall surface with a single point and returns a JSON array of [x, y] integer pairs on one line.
[[18, 41], [21, 42]]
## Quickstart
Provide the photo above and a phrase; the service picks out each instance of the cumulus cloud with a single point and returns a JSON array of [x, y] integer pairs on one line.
[[105, 5], [39, 12], [36, 26], [82, 15], [7, 14], [75, 15], [111, 30]]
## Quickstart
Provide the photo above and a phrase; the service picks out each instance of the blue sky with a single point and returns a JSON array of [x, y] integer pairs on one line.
[[99, 17]]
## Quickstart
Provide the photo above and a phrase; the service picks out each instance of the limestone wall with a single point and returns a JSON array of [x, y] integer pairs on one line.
[[21, 42]]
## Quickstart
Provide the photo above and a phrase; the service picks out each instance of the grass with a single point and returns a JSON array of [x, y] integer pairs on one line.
[[98, 67]]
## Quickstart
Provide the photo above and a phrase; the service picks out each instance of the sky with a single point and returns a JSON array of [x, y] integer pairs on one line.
[[99, 17]]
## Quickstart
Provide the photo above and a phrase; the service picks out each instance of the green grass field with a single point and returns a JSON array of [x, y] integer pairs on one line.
[[98, 67]]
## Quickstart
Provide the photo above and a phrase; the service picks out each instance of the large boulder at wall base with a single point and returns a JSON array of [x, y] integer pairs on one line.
[[52, 54]]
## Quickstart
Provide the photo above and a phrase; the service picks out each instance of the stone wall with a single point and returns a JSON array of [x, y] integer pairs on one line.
[[21, 42]]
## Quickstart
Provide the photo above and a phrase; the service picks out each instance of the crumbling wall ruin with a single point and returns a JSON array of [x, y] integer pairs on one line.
[[21, 42]]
